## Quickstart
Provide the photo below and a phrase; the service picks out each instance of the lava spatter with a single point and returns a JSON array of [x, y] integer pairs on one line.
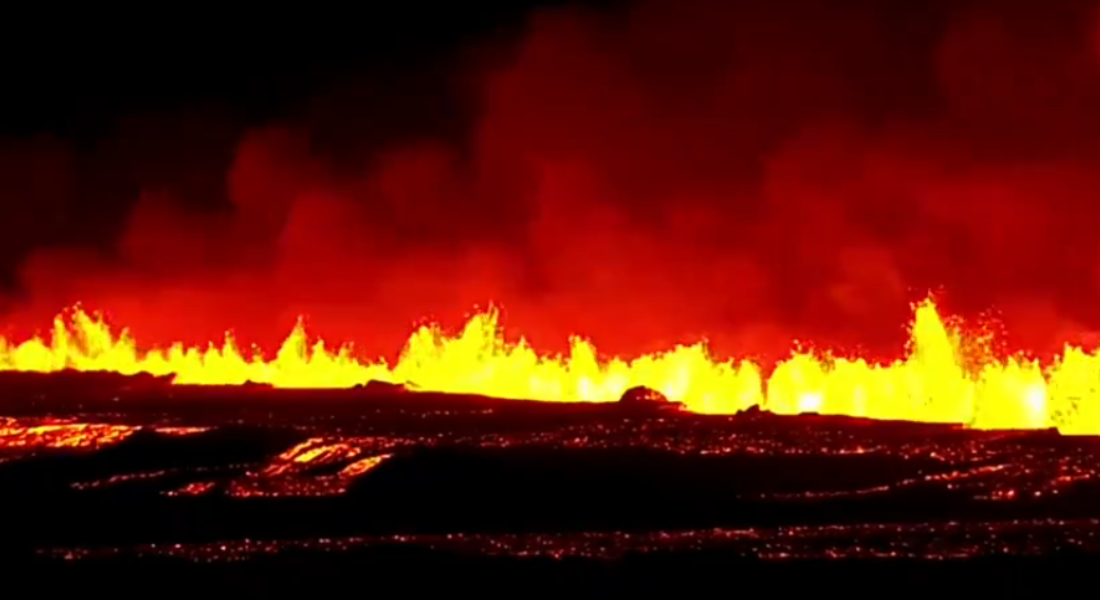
[[936, 381]]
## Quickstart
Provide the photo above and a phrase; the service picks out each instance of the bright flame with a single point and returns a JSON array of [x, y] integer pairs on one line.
[[933, 383]]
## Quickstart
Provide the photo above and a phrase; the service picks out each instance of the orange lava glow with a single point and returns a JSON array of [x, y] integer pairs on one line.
[[60, 434], [937, 381], [69, 434]]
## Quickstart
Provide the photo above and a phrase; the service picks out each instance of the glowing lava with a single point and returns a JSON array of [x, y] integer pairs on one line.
[[26, 434], [934, 383]]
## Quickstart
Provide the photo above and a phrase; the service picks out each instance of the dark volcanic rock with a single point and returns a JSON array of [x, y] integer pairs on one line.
[[643, 397], [383, 387], [639, 394]]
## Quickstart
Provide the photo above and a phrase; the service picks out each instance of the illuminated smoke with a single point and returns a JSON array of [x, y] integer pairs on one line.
[[644, 177]]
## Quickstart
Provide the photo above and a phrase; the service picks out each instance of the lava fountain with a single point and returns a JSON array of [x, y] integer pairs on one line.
[[936, 381]]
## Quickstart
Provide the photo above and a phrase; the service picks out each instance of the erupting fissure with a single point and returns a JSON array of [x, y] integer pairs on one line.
[[937, 381]]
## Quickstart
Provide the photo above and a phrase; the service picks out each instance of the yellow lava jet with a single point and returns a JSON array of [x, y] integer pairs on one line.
[[935, 382]]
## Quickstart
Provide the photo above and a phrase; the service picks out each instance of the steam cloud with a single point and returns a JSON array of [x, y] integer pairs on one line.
[[675, 170]]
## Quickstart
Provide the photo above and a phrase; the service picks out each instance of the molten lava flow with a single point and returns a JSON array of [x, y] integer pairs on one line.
[[35, 434], [936, 382], [15, 434]]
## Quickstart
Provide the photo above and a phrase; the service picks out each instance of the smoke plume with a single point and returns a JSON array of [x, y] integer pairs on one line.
[[750, 173]]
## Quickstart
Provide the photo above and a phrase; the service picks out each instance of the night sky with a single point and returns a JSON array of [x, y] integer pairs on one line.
[[644, 173], [117, 92]]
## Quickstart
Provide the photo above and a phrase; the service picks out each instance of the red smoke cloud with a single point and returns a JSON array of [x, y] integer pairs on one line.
[[678, 170]]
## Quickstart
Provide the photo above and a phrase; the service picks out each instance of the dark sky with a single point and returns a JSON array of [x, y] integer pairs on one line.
[[120, 87], [643, 173]]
